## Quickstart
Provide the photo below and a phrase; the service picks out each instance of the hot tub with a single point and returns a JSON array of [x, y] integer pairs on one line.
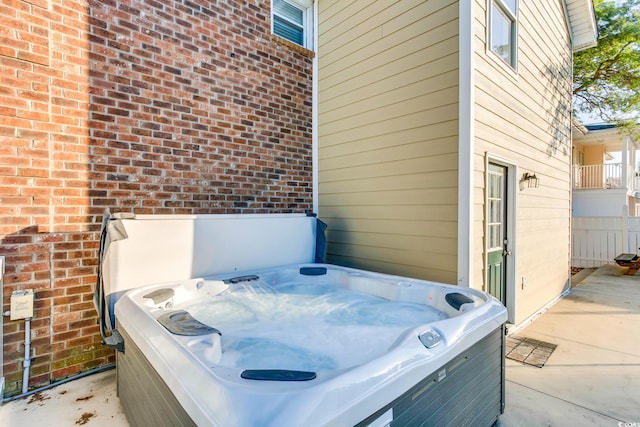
[[308, 344]]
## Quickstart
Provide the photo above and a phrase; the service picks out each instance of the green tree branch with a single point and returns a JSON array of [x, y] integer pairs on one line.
[[607, 77]]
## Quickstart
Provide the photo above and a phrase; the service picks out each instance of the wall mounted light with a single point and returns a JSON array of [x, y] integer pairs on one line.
[[530, 180]]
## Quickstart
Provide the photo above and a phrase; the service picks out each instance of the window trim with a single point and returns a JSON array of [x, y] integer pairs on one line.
[[306, 6], [512, 15]]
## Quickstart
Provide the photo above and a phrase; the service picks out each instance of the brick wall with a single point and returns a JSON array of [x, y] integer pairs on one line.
[[147, 106]]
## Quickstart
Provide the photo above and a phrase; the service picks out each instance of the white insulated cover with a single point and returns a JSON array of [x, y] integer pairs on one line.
[[146, 249]]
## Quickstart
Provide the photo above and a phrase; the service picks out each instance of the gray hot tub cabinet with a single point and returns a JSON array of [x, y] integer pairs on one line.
[[469, 390], [139, 250]]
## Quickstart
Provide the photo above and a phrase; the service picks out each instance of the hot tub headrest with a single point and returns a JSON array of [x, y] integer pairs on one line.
[[456, 299], [181, 322]]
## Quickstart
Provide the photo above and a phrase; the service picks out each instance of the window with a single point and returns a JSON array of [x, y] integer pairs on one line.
[[503, 34], [292, 20]]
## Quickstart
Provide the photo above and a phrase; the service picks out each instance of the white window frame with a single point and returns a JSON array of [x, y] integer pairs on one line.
[[512, 15], [306, 6]]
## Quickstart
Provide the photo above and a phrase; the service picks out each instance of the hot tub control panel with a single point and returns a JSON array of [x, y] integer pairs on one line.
[[430, 338]]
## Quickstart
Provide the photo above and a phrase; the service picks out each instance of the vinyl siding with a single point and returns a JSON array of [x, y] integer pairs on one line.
[[524, 117], [387, 131]]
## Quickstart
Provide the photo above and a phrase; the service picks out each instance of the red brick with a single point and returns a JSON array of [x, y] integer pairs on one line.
[[143, 128]]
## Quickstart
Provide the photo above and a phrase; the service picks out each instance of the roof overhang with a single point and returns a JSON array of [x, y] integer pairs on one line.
[[582, 22], [610, 137], [577, 128]]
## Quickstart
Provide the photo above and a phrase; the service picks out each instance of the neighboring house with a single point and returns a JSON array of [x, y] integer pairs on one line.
[[606, 195], [430, 117], [604, 185]]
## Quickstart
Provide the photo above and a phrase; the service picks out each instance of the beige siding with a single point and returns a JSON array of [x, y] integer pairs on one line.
[[594, 154], [524, 117], [388, 128]]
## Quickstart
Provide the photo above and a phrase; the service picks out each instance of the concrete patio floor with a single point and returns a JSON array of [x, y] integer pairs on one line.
[[592, 378], [91, 401]]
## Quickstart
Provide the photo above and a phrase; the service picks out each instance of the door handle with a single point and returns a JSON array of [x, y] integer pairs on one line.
[[505, 251]]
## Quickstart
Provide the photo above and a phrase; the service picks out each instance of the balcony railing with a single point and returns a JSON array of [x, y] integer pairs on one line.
[[601, 176]]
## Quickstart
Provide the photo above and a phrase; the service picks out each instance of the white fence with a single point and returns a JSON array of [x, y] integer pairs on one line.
[[598, 240]]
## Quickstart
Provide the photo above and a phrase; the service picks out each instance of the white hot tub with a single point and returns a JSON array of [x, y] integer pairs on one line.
[[301, 344]]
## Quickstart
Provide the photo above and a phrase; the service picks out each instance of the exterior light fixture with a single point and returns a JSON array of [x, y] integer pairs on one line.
[[530, 180]]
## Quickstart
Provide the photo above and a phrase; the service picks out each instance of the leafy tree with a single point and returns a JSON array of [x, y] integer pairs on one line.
[[606, 80]]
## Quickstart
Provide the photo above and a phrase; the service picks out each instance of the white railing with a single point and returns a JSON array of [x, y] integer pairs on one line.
[[599, 176]]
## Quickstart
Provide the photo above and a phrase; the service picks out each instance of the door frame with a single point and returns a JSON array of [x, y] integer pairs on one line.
[[511, 194]]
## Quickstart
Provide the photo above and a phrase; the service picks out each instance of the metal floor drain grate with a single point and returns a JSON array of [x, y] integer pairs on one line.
[[529, 351]]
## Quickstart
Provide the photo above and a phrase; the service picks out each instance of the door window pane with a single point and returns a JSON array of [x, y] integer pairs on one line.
[[495, 207], [494, 211]]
